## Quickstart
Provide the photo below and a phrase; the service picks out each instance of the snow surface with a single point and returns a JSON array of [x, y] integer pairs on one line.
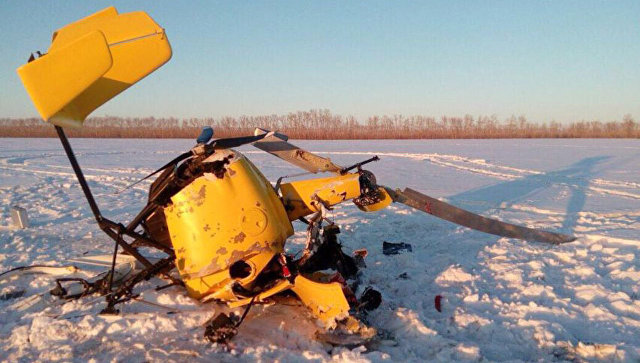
[[502, 299]]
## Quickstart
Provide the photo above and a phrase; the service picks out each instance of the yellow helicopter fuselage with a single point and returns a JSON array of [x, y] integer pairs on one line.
[[225, 228]]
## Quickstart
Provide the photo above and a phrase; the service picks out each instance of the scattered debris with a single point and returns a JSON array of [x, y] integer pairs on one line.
[[370, 299], [12, 295], [329, 255], [19, 217], [359, 256], [223, 328], [391, 248], [37, 269], [404, 276], [220, 329], [438, 303], [349, 333]]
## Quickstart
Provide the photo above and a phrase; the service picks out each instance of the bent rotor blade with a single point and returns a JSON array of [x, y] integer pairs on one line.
[[230, 142], [279, 147], [465, 218]]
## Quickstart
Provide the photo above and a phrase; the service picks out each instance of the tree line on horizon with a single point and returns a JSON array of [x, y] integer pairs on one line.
[[323, 125]]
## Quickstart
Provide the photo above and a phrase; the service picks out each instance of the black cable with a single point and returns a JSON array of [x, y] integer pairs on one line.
[[26, 268], [246, 311]]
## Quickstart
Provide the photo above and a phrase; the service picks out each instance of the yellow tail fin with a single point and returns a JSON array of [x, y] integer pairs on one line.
[[91, 61]]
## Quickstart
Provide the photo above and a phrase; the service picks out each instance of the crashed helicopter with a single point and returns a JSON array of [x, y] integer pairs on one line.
[[221, 224]]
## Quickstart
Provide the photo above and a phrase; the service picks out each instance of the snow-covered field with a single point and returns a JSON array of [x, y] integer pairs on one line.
[[503, 299]]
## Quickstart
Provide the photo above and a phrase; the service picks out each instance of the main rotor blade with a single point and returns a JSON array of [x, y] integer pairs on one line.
[[295, 155], [465, 218], [230, 142]]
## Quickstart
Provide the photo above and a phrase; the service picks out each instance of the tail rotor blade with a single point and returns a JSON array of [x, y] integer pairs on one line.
[[465, 218]]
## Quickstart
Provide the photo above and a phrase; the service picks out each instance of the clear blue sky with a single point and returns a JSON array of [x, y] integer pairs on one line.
[[547, 60]]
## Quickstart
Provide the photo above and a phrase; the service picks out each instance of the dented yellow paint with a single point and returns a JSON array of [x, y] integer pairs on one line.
[[385, 201], [91, 61], [301, 197], [215, 222], [325, 300]]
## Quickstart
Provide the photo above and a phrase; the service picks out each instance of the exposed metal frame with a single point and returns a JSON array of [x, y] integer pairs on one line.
[[117, 231]]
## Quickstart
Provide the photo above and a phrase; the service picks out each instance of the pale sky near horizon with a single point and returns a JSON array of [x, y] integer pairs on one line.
[[546, 60]]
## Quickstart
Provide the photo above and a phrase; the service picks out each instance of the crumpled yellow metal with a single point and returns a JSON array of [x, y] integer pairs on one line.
[[385, 201], [215, 222], [326, 301], [301, 197]]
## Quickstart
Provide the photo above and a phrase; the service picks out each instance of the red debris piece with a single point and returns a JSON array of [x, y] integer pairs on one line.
[[361, 252], [346, 290], [286, 273], [438, 303]]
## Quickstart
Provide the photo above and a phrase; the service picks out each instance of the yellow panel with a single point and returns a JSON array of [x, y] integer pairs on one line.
[[116, 28], [214, 222], [132, 62], [298, 196], [326, 301], [106, 12], [137, 47], [56, 79]]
